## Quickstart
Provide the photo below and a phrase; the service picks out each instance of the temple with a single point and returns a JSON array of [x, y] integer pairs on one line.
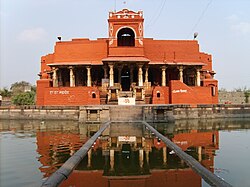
[[126, 69]]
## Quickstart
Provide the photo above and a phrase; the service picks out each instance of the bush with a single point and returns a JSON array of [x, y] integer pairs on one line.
[[27, 98]]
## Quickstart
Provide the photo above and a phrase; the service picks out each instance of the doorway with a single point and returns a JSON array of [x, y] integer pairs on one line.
[[125, 78]]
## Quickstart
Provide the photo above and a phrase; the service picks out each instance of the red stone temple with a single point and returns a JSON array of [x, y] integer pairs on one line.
[[126, 68]]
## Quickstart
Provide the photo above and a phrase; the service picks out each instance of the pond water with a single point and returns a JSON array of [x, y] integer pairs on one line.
[[126, 154]]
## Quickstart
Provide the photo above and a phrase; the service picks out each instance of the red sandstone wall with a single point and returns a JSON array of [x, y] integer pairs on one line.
[[207, 59], [180, 93], [40, 90], [164, 95], [68, 96], [80, 50], [178, 50]]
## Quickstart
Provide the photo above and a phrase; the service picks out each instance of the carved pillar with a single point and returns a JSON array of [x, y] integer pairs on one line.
[[112, 159], [88, 76], [180, 73], [141, 158], [105, 72], [198, 77], [147, 156], [111, 75], [54, 78], [89, 158], [71, 76], [146, 74], [163, 76], [140, 75], [164, 152], [199, 153]]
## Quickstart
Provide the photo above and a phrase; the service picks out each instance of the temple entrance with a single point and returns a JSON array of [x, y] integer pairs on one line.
[[125, 78]]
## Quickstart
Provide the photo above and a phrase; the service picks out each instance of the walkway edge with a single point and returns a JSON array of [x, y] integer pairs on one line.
[[65, 170], [207, 175]]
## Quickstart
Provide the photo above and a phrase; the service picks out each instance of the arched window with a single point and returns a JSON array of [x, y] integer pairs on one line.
[[126, 37], [158, 94], [93, 95]]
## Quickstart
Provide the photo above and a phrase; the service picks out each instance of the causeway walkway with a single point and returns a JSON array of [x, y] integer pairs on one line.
[[65, 170]]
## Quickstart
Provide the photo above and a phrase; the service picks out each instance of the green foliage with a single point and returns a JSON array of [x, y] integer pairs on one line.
[[5, 92], [247, 95], [26, 98], [20, 87]]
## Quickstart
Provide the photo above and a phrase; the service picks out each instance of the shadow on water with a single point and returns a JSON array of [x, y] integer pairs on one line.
[[127, 154]]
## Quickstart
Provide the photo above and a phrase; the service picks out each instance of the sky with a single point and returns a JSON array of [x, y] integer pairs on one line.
[[29, 30]]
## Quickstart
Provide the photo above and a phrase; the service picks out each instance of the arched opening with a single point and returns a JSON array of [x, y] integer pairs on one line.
[[93, 95], [126, 37], [158, 94]]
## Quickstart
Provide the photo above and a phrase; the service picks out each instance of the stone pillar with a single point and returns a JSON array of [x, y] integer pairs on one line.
[[146, 74], [88, 76], [54, 78], [89, 158], [140, 75], [164, 152], [105, 72], [111, 75], [198, 77], [180, 73], [163, 76], [147, 156], [71, 76], [112, 159], [141, 158], [199, 153]]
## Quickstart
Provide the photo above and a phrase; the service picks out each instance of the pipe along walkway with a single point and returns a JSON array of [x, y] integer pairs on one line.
[[65, 170], [207, 175]]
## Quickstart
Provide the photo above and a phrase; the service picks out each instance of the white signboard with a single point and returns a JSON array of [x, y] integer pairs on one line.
[[126, 138], [179, 91], [126, 101]]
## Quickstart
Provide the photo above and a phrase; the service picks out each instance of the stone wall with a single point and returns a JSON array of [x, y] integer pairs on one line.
[[149, 113], [40, 113], [232, 97]]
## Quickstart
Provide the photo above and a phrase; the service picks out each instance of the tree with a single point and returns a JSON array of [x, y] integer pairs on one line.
[[5, 92], [20, 87], [247, 95], [26, 98]]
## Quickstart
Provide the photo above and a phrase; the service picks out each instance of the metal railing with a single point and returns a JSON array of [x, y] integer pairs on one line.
[[65, 170], [207, 175]]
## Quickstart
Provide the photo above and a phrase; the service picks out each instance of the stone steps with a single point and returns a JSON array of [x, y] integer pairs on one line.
[[125, 113]]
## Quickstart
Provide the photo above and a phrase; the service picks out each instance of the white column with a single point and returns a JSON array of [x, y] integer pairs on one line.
[[163, 76], [54, 78], [164, 152], [180, 73], [89, 158], [111, 75], [140, 75], [199, 153], [105, 72], [112, 159], [72, 77], [146, 74], [147, 156], [198, 77], [141, 158], [88, 76]]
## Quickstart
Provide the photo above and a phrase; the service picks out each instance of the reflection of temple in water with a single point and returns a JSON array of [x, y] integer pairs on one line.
[[128, 151]]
